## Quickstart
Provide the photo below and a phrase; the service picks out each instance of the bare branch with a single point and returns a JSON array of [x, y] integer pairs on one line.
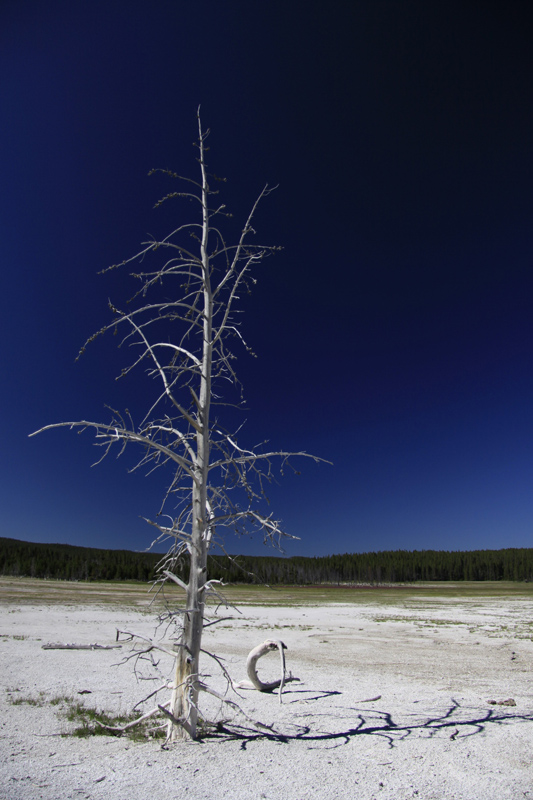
[[175, 579], [128, 725]]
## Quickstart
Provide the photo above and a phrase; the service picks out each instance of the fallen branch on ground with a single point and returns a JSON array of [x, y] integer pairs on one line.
[[122, 728], [94, 646]]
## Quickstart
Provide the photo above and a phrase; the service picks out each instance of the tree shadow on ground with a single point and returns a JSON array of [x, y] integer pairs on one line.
[[453, 722]]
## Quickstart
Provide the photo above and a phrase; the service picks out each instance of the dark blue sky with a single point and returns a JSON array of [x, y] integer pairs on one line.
[[394, 333]]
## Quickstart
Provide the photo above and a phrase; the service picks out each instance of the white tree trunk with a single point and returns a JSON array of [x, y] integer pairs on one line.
[[184, 702]]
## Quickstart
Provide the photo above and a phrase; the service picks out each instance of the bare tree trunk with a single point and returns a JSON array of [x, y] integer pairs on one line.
[[184, 704], [184, 701]]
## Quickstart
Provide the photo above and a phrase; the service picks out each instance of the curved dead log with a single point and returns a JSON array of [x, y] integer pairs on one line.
[[254, 656], [251, 668]]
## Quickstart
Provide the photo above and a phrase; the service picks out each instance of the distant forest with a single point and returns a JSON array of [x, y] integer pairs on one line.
[[67, 562]]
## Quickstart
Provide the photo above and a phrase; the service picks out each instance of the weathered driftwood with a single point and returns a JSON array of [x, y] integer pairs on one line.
[[251, 668], [94, 646], [254, 656]]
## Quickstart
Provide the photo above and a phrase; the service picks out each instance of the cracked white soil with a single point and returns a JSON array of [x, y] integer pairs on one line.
[[394, 701]]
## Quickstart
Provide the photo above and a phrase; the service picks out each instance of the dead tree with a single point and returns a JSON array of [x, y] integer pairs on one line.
[[181, 323]]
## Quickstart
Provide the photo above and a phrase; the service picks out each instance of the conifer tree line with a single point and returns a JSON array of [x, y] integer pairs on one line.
[[68, 562]]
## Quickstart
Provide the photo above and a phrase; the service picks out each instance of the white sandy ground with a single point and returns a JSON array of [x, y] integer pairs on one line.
[[431, 735]]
